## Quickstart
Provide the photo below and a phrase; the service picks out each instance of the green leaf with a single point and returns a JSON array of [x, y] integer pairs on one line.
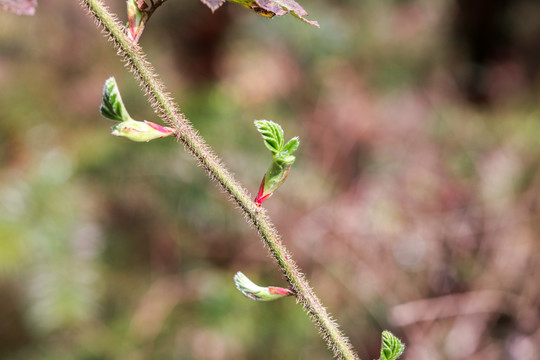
[[272, 134], [391, 347], [291, 146], [112, 106]]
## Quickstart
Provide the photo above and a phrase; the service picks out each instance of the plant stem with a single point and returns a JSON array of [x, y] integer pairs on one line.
[[163, 104]]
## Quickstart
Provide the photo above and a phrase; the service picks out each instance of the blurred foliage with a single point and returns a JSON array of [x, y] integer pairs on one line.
[[413, 204]]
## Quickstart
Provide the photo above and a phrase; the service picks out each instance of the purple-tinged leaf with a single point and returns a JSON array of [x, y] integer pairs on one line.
[[213, 4], [271, 6], [19, 7], [296, 10], [292, 6]]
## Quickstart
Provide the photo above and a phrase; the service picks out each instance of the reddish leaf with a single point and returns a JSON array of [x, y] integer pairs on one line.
[[19, 7]]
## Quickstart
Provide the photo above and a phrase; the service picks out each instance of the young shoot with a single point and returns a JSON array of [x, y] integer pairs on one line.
[[282, 158], [112, 107]]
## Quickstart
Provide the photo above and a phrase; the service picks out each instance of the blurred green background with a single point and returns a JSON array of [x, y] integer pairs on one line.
[[413, 205]]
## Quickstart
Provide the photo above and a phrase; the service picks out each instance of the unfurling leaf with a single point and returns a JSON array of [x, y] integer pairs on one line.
[[112, 106], [259, 293], [213, 4], [291, 146], [272, 134], [391, 347], [19, 7], [282, 158]]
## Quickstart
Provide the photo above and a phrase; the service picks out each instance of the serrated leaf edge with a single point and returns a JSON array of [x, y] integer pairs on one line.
[[288, 148], [391, 346], [272, 134]]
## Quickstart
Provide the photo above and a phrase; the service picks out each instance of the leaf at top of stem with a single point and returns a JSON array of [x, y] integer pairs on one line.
[[272, 134], [391, 347], [291, 145], [112, 106]]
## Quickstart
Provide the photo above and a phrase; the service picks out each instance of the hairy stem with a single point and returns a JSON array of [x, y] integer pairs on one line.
[[169, 112]]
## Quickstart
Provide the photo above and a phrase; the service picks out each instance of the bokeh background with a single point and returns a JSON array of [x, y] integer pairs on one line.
[[413, 205]]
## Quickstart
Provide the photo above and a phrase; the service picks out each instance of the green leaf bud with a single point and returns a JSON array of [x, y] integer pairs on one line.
[[141, 131], [259, 293], [137, 19]]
